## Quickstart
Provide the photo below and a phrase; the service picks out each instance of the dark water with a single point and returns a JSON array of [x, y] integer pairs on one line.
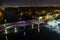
[[32, 34]]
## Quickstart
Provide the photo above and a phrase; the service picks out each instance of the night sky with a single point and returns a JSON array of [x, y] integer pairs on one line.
[[31, 2]]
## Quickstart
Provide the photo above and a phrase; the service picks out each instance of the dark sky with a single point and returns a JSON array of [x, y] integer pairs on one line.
[[31, 2]]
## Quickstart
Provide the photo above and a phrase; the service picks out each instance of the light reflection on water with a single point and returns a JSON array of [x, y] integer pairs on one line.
[[38, 28]]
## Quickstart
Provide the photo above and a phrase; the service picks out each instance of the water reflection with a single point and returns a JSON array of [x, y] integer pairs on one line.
[[38, 28]]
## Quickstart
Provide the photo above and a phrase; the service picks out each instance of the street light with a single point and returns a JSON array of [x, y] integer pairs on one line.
[[40, 18], [32, 26], [21, 13], [6, 31], [15, 29]]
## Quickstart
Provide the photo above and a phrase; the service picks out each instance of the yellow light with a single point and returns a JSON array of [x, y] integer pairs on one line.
[[36, 12], [43, 11], [46, 17], [1, 14], [56, 10], [40, 18]]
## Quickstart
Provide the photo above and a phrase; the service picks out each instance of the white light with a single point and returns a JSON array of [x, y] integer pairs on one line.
[[5, 20], [38, 30], [24, 33], [40, 17], [32, 26], [57, 27], [4, 25], [21, 14], [15, 29], [53, 23], [6, 31], [8, 27], [6, 38], [57, 15], [50, 16], [38, 25]]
